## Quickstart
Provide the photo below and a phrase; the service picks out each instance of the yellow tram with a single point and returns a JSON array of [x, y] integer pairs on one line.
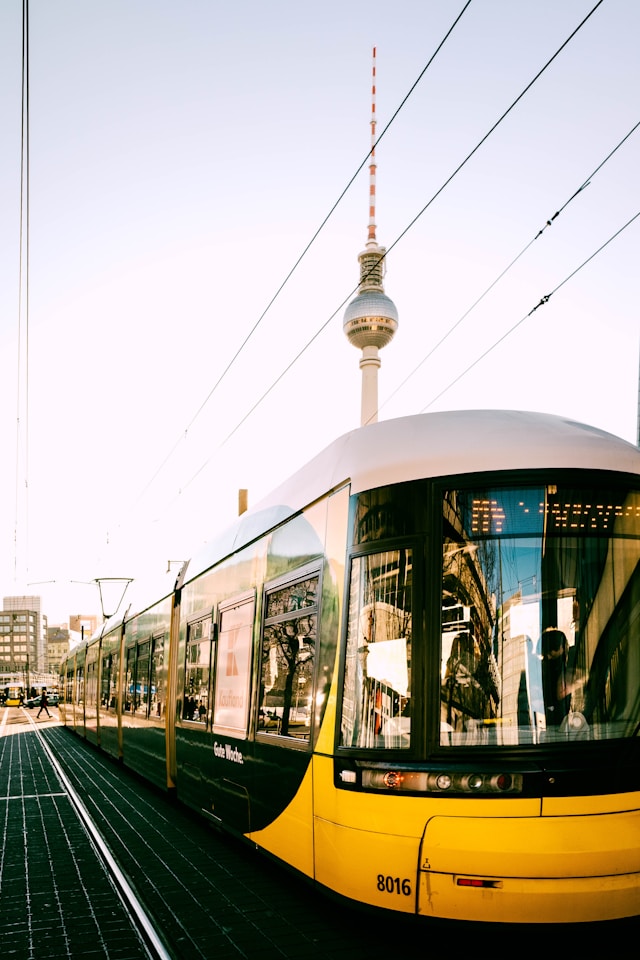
[[412, 673]]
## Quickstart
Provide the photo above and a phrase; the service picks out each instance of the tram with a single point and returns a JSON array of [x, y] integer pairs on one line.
[[412, 673], [12, 694]]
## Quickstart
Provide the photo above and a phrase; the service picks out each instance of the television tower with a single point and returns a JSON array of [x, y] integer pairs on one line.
[[371, 319]]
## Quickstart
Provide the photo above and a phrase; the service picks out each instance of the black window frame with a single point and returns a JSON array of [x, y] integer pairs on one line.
[[309, 571]]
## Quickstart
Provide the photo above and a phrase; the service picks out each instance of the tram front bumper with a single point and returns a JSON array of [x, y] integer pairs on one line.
[[557, 869]]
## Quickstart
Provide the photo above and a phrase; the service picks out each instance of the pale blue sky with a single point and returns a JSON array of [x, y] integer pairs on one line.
[[182, 157]]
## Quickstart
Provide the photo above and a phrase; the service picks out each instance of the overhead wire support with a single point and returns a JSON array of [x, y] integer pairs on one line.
[[541, 303], [587, 181], [500, 276], [23, 298]]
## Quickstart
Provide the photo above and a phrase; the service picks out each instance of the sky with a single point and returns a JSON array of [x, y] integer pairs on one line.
[[198, 196]]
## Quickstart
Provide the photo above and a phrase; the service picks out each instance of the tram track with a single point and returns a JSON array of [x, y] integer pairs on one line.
[[141, 922], [205, 894], [192, 892]]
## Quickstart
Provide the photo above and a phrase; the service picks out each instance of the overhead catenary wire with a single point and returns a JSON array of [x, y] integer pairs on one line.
[[297, 263], [403, 233], [542, 302], [418, 215], [22, 436], [500, 276]]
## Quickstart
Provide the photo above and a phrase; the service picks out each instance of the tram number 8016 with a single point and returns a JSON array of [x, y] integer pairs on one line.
[[394, 885]]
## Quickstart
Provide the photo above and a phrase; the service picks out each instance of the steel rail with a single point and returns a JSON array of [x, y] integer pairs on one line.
[[140, 920]]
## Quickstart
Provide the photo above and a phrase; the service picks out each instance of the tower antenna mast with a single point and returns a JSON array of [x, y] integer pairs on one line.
[[372, 163], [371, 319]]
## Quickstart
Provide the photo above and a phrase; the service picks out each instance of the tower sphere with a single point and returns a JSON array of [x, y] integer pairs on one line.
[[370, 320]]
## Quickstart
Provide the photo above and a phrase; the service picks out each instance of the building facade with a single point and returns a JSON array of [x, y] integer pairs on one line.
[[82, 626], [58, 643], [23, 629]]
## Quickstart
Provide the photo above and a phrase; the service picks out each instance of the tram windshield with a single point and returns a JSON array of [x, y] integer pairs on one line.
[[540, 632]]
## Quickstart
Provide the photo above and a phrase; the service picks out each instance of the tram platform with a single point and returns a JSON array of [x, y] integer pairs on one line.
[[211, 896]]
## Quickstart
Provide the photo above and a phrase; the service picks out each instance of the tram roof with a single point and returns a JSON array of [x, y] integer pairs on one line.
[[428, 446]]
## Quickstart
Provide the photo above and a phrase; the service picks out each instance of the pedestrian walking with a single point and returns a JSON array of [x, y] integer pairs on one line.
[[43, 703]]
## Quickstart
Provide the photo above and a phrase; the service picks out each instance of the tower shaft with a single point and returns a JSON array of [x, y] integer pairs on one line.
[[371, 319]]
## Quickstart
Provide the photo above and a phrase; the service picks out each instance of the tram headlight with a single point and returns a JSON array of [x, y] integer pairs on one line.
[[405, 780], [400, 781], [475, 782], [393, 779], [485, 784], [443, 782]]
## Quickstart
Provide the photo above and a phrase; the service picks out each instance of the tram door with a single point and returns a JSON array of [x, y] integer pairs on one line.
[[193, 730], [282, 809], [230, 787]]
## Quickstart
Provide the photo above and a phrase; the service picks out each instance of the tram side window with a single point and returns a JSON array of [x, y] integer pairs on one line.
[[109, 682], [91, 691], [129, 667], [105, 680], [197, 670], [376, 706], [156, 685], [143, 674], [79, 699], [288, 656], [141, 687]]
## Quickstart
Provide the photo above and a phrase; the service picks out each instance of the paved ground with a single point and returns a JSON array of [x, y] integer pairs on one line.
[[55, 899], [212, 896]]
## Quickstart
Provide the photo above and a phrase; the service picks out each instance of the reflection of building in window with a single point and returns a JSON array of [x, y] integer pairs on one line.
[[157, 678], [521, 663], [195, 705], [91, 685], [521, 564], [470, 688], [521, 702], [141, 682], [144, 685], [105, 680], [470, 693], [377, 686], [79, 692], [288, 657], [129, 674]]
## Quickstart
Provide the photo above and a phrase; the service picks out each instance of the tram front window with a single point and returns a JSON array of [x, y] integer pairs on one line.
[[540, 615]]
